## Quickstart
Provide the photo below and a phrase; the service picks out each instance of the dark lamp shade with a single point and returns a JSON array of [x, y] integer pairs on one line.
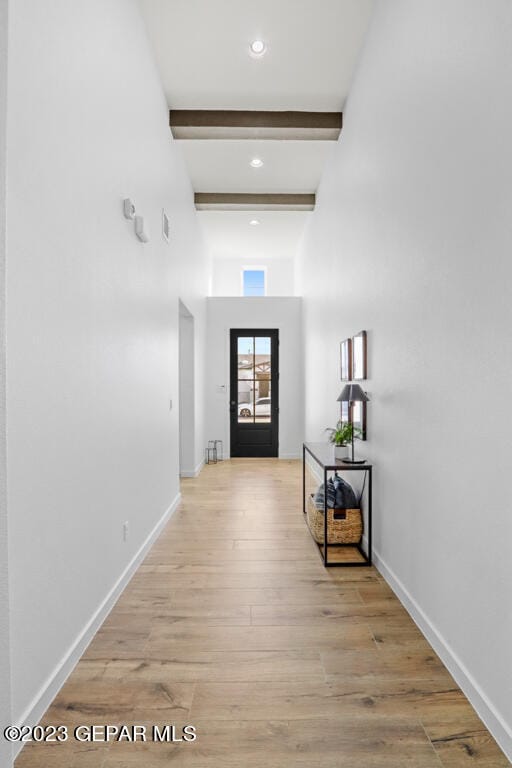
[[353, 393]]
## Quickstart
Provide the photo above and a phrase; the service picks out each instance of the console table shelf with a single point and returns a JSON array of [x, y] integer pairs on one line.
[[335, 555]]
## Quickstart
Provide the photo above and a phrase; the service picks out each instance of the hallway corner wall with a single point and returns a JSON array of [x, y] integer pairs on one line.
[[92, 324], [411, 240], [5, 655]]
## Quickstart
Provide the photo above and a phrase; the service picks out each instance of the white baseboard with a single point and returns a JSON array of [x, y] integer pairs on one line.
[[290, 456], [58, 677], [194, 472], [483, 707]]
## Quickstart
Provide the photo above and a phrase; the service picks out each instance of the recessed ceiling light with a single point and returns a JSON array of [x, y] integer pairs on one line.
[[256, 162], [255, 222], [258, 47]]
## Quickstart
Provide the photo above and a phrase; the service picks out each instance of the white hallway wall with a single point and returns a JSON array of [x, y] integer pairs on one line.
[[5, 674], [284, 314], [227, 275], [413, 230], [92, 321]]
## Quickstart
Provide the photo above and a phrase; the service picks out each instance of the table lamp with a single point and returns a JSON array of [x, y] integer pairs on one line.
[[353, 393]]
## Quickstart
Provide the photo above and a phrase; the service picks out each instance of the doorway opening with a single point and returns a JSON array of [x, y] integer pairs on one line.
[[254, 392], [186, 392]]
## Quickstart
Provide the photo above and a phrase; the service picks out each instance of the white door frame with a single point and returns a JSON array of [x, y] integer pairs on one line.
[[187, 425]]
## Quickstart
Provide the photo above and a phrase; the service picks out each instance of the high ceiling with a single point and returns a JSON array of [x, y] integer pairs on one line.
[[230, 235], [202, 48], [223, 166]]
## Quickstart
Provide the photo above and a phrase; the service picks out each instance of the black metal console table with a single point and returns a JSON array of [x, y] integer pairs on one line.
[[323, 455]]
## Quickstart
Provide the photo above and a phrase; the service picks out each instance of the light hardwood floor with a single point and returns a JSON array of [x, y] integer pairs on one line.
[[233, 625]]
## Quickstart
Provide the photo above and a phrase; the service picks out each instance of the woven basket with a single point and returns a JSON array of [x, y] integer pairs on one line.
[[340, 530]]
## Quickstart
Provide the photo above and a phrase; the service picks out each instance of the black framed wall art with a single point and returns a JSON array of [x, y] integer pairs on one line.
[[359, 357], [346, 360]]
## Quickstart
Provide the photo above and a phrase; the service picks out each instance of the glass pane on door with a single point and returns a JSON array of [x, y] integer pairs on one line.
[[245, 402], [262, 345], [246, 357], [262, 409], [262, 374]]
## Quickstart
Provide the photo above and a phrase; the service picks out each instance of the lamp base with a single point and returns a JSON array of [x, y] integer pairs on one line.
[[354, 461]]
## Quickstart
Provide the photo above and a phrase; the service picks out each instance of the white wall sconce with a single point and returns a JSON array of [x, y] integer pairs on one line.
[[128, 208], [141, 229]]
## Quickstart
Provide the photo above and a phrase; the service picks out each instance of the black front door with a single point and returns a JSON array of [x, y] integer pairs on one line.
[[254, 392]]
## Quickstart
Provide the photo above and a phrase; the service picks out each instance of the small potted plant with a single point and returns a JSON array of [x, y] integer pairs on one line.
[[341, 437]]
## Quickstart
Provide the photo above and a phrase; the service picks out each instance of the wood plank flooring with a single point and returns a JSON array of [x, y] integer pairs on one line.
[[233, 625]]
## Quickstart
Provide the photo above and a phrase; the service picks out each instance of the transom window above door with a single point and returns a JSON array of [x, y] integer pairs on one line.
[[254, 282]]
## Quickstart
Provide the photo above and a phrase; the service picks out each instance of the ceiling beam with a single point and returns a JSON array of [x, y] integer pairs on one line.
[[252, 124], [231, 201]]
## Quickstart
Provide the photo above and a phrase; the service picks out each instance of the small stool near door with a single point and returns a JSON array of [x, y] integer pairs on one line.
[[214, 452]]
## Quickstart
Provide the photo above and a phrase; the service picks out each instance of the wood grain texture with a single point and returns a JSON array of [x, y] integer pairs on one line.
[[233, 625], [229, 118], [264, 201], [208, 124]]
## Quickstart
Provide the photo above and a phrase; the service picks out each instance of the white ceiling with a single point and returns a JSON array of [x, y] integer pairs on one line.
[[288, 166], [230, 236], [202, 51]]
